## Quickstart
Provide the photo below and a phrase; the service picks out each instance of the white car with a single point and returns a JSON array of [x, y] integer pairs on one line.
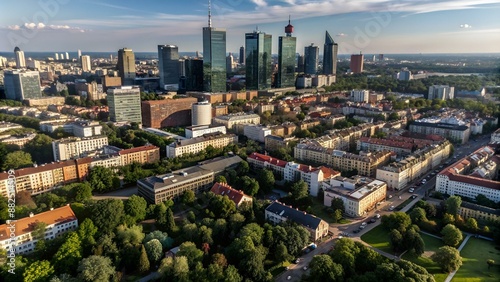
[[411, 190], [289, 277], [363, 224], [377, 215], [391, 208]]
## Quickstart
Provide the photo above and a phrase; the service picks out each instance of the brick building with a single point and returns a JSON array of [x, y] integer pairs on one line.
[[165, 113]]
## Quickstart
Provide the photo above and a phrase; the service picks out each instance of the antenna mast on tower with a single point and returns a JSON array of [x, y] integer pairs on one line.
[[209, 13]]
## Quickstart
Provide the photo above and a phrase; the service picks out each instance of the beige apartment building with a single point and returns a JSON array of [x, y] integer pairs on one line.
[[229, 121], [359, 194], [195, 145], [398, 175], [366, 163], [273, 142], [141, 155], [71, 148]]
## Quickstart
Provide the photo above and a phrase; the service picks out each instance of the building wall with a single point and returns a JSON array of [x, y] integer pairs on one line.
[[166, 113], [68, 149], [124, 104], [175, 150]]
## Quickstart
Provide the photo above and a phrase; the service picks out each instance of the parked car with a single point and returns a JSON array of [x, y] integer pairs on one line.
[[411, 190], [390, 196], [391, 208], [373, 220], [414, 196], [377, 215], [356, 231], [305, 268], [289, 277], [362, 226]]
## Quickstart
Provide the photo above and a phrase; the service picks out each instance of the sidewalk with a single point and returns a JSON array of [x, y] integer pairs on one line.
[[450, 276]]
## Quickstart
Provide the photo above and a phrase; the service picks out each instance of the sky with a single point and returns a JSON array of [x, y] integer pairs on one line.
[[367, 26]]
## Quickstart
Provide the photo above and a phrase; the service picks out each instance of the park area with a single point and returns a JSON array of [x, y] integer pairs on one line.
[[475, 255]]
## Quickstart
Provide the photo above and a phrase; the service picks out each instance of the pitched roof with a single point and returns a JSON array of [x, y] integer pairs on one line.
[[27, 224], [268, 159], [294, 215], [224, 189], [137, 149]]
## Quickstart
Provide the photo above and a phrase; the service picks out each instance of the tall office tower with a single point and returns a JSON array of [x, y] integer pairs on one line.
[[126, 66], [194, 74], [61, 56], [286, 58], [357, 63], [79, 54], [258, 48], [57, 56], [311, 59], [241, 59], [86, 63], [441, 92], [67, 56], [229, 63], [21, 85], [330, 55], [3, 62], [201, 113], [300, 63], [168, 61], [214, 57], [33, 64], [20, 60], [124, 104], [197, 54]]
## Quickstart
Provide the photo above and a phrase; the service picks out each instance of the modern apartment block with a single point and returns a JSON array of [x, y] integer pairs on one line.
[[398, 175], [229, 121], [124, 104], [256, 132], [59, 221], [170, 186], [168, 112], [473, 175], [362, 96], [195, 145], [454, 132], [198, 131], [277, 213], [359, 194], [366, 163], [70, 148], [441, 92]]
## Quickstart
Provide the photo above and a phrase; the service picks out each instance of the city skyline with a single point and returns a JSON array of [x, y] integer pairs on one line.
[[374, 26]]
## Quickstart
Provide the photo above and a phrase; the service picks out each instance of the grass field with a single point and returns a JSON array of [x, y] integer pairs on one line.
[[432, 244], [474, 268], [378, 238]]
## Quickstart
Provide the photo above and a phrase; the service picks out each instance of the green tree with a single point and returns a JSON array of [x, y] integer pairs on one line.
[[86, 232], [181, 269], [453, 205], [170, 221], [96, 269], [222, 206], [299, 190], [38, 271], [132, 235], [81, 192], [324, 269], [189, 250], [452, 236], [253, 231], [69, 254], [281, 253], [154, 250], [417, 215], [144, 264], [396, 240], [266, 180], [106, 214], [471, 224], [38, 232], [101, 179], [188, 197], [490, 263], [17, 159], [231, 274], [338, 204], [40, 149], [220, 179], [448, 258], [135, 207], [397, 220]]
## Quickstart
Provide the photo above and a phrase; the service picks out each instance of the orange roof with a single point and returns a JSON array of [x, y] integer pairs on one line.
[[224, 189], [265, 158], [26, 224], [137, 149], [328, 172]]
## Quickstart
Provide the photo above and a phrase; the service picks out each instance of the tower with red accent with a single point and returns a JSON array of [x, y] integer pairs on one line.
[[286, 58]]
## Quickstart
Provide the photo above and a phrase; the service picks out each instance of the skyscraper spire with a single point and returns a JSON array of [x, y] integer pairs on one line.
[[289, 28], [209, 13]]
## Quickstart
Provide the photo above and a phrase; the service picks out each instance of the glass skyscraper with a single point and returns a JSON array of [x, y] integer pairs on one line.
[[168, 62], [311, 58], [330, 55], [214, 59], [20, 85], [126, 66], [286, 58], [258, 48]]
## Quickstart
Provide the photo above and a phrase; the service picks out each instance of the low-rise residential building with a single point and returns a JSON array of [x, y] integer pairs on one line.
[[454, 132], [77, 128], [22, 241], [70, 148], [256, 132], [277, 213], [170, 186], [495, 136], [359, 194], [195, 145], [366, 163], [260, 161], [274, 143], [5, 125], [229, 121], [237, 196], [312, 176], [399, 174], [141, 155], [19, 140], [402, 146], [200, 130], [473, 175], [480, 213]]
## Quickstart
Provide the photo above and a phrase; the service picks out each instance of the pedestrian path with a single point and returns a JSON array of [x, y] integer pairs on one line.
[[450, 276]]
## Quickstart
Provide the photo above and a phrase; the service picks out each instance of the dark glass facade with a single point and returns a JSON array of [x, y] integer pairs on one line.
[[126, 66], [214, 59], [330, 55], [22, 85], [194, 75], [286, 61], [258, 47], [168, 63], [311, 58]]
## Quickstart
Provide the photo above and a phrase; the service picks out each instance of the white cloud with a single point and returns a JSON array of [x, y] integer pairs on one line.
[[42, 26], [260, 3], [465, 26], [14, 27], [341, 34]]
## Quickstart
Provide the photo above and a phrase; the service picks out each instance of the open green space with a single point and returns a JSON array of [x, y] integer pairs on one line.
[[319, 210], [432, 244], [474, 268], [378, 238]]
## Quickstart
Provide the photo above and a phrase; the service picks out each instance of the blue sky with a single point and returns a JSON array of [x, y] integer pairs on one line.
[[369, 26]]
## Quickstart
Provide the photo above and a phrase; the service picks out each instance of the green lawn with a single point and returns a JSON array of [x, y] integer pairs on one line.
[[378, 238], [319, 210], [432, 244], [474, 268]]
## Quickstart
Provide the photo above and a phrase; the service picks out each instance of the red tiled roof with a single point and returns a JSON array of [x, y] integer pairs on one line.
[[328, 172], [26, 224], [268, 159], [137, 149], [224, 189], [475, 181]]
